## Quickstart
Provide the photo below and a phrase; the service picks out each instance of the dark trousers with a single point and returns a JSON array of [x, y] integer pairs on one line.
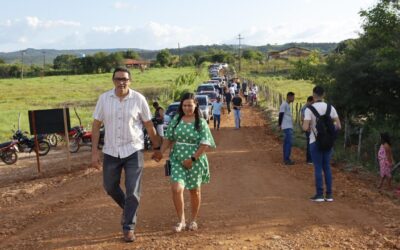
[[217, 121], [129, 201], [308, 154], [321, 161], [228, 105], [287, 144]]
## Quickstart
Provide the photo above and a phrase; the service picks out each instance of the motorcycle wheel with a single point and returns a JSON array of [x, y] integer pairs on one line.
[[74, 145], [44, 148], [9, 157], [52, 139]]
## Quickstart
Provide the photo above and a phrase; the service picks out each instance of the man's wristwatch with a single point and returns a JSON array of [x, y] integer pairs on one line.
[[193, 158]]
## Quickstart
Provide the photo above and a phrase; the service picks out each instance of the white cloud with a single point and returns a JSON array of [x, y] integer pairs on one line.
[[153, 35], [124, 6], [7, 23], [23, 39], [284, 33], [112, 29], [35, 22]]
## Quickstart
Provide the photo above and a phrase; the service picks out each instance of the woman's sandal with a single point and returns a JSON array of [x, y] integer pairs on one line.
[[179, 227], [193, 226]]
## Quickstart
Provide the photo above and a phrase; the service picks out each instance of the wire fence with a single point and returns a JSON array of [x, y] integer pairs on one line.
[[361, 148], [275, 100]]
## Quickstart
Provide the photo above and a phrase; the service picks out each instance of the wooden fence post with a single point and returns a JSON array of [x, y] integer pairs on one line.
[[359, 143], [346, 131]]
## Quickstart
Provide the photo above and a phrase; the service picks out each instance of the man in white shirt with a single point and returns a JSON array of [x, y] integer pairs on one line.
[[232, 90], [286, 125], [320, 158], [235, 89], [216, 111], [123, 112]]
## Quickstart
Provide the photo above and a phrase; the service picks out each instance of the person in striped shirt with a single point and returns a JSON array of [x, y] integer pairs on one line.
[[124, 112]]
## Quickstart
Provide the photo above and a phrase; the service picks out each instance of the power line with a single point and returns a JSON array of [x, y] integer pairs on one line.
[[22, 63]]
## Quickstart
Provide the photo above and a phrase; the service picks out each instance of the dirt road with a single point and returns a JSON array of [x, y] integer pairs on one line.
[[252, 202]]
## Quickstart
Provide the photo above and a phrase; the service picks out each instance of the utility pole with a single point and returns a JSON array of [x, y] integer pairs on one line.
[[240, 52], [22, 64], [179, 54], [44, 61]]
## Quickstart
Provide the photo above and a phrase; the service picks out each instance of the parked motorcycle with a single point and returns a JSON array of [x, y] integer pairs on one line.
[[27, 145], [8, 152], [80, 137]]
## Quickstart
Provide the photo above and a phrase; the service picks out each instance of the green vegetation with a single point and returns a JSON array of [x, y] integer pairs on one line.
[[282, 85], [81, 91], [361, 78]]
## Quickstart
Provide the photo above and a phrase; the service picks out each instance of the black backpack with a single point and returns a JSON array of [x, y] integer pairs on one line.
[[326, 129]]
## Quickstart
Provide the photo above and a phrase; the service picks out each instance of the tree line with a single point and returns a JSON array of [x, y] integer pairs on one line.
[[102, 62]]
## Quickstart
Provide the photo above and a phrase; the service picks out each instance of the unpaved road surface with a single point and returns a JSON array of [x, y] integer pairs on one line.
[[252, 202]]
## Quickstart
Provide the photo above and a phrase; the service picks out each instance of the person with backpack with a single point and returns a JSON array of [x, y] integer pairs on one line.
[[286, 124], [322, 120]]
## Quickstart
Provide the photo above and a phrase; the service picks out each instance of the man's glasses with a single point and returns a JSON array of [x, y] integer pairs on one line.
[[117, 79]]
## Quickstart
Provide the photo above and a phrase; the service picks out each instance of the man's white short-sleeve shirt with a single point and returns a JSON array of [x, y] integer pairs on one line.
[[309, 116], [287, 120], [123, 122]]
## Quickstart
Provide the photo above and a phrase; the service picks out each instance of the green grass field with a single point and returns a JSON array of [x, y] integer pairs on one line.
[[301, 88], [80, 91]]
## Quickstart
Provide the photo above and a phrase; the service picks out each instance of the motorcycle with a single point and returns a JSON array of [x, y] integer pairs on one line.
[[27, 145], [80, 137], [8, 152]]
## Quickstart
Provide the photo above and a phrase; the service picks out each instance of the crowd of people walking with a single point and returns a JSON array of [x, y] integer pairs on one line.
[[124, 112]]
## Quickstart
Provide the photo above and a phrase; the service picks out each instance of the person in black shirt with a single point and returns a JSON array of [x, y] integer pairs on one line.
[[228, 99], [237, 105], [158, 119]]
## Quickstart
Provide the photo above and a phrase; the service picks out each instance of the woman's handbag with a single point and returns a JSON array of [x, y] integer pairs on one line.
[[167, 168]]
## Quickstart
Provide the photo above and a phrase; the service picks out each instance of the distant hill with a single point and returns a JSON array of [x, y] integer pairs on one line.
[[36, 56]]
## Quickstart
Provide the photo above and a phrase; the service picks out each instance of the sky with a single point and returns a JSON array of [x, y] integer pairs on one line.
[[158, 24]]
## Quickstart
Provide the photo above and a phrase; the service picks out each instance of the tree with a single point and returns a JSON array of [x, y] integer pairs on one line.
[[187, 60], [308, 68], [64, 62], [2, 61], [130, 54], [114, 60], [251, 54], [163, 57], [101, 62], [366, 72]]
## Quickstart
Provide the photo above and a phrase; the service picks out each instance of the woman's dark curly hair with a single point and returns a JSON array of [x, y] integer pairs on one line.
[[188, 96], [385, 138]]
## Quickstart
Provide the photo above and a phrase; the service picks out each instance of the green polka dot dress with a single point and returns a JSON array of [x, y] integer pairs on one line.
[[187, 140]]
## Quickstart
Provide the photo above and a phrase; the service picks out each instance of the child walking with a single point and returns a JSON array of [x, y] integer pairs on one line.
[[386, 161]]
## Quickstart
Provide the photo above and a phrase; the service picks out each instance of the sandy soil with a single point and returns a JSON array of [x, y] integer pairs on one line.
[[252, 202]]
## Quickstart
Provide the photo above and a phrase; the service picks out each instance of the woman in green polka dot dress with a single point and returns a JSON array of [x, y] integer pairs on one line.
[[189, 136]]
